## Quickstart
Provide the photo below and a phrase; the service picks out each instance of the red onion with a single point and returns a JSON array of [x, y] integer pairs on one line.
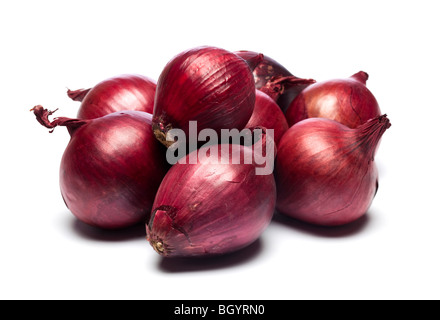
[[111, 168], [325, 171], [209, 85], [211, 208], [347, 101], [120, 93], [267, 114], [274, 79]]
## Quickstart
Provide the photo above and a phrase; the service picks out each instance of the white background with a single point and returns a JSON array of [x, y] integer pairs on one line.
[[48, 46]]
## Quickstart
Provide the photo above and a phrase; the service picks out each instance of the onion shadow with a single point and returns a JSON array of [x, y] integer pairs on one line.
[[347, 230], [229, 260], [89, 232]]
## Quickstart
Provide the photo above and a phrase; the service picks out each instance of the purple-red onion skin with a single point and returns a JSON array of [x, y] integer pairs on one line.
[[209, 85], [210, 209], [78, 95], [325, 171], [268, 114], [347, 101], [111, 168], [119, 93], [267, 71]]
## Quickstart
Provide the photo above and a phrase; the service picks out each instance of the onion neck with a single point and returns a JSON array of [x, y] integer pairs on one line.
[[370, 133], [361, 76], [42, 116], [275, 87], [254, 61], [77, 95]]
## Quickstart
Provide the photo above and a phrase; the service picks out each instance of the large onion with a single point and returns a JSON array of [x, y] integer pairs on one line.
[[211, 207], [325, 171], [111, 168], [209, 85]]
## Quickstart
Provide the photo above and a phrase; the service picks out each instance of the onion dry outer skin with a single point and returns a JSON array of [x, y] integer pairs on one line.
[[268, 115], [325, 171], [265, 70], [78, 95], [209, 85], [119, 93], [347, 101], [210, 209], [110, 179], [111, 169], [269, 70]]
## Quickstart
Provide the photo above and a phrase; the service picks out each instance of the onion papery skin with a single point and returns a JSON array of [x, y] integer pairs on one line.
[[325, 171], [347, 101], [265, 70], [119, 93], [111, 168], [209, 85], [269, 70], [267, 114], [209, 209]]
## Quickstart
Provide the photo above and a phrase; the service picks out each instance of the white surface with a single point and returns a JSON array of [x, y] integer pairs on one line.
[[49, 46]]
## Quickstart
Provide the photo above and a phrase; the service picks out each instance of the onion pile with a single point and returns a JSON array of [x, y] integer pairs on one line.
[[205, 156]]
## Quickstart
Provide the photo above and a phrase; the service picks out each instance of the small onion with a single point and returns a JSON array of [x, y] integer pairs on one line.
[[120, 93], [209, 85], [111, 168], [347, 101], [211, 207], [325, 171]]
